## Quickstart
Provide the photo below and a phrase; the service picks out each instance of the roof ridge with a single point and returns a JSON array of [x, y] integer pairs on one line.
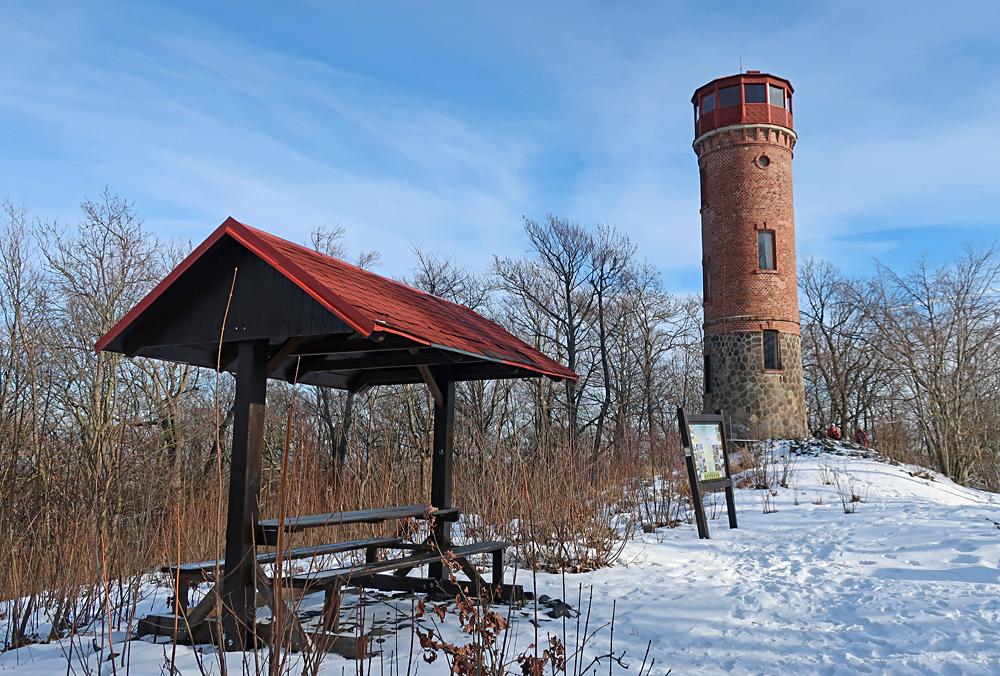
[[333, 301]]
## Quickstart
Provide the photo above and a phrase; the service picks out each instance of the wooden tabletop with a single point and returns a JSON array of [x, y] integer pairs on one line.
[[295, 524]]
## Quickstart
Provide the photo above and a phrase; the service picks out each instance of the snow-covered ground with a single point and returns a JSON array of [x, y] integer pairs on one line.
[[909, 583]]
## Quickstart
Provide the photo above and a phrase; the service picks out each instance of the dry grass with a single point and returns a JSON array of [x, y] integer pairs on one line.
[[73, 557]]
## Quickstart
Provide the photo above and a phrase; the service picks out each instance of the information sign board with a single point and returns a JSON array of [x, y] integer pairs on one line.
[[705, 452], [708, 449]]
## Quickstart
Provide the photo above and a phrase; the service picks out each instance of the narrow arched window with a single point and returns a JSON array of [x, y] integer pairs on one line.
[[772, 351], [765, 250]]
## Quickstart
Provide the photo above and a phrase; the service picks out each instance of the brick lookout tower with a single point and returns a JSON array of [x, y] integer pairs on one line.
[[753, 356]]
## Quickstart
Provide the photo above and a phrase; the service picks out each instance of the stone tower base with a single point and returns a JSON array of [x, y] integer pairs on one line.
[[748, 394]]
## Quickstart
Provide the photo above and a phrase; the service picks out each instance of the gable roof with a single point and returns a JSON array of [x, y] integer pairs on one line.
[[368, 303]]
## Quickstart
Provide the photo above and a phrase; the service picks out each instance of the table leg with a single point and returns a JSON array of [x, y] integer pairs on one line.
[[497, 568], [474, 577], [299, 639], [331, 610]]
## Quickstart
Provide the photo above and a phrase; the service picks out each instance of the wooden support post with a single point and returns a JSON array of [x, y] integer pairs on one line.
[[730, 492], [699, 506], [238, 583], [731, 504], [441, 464], [330, 621], [497, 578]]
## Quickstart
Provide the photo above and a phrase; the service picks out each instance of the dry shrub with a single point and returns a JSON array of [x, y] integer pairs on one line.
[[568, 511], [848, 491], [665, 494], [489, 640]]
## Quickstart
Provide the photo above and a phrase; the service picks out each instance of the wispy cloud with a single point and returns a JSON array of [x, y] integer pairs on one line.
[[444, 128], [286, 142]]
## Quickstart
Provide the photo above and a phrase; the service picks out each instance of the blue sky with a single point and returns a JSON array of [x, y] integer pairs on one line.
[[442, 124]]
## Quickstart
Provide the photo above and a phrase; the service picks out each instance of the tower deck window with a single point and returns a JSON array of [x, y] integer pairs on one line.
[[729, 96], [707, 103], [755, 93], [765, 250], [777, 95], [772, 351]]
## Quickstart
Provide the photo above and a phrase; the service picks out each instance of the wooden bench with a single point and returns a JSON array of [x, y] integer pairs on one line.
[[190, 575], [341, 576], [371, 575], [195, 623], [193, 574]]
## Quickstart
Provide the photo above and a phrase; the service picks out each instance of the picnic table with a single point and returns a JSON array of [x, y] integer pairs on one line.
[[375, 573], [267, 529]]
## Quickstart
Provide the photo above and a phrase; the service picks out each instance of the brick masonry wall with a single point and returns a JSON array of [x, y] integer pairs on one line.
[[741, 196]]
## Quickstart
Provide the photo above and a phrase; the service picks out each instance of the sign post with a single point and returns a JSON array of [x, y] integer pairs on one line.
[[706, 453]]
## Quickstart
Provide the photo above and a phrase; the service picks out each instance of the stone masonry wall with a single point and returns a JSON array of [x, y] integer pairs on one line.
[[760, 404]]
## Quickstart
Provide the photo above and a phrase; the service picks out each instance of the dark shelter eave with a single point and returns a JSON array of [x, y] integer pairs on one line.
[[347, 361]]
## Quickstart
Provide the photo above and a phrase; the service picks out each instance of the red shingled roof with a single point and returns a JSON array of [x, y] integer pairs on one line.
[[368, 302]]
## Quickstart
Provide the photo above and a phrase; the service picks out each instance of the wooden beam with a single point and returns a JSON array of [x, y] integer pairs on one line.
[[348, 343], [425, 373], [376, 360], [460, 371], [432, 385], [492, 371], [283, 353], [361, 383], [226, 354], [238, 588]]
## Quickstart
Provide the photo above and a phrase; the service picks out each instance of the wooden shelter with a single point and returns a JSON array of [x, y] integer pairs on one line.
[[249, 302]]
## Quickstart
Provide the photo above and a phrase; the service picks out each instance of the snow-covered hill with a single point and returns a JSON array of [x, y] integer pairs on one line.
[[908, 583]]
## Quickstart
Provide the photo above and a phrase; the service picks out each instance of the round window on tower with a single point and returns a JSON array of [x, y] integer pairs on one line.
[[763, 161]]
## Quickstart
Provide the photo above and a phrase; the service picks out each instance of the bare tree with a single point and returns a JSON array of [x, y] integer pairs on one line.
[[556, 282], [939, 327], [330, 241], [660, 327], [441, 276], [844, 377], [612, 256], [97, 274]]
